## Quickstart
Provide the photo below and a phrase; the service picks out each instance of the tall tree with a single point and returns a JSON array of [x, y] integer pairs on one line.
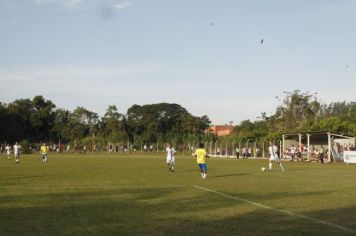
[[41, 118], [112, 125], [82, 123]]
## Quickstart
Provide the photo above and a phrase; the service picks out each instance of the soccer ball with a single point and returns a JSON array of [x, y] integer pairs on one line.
[[263, 169]]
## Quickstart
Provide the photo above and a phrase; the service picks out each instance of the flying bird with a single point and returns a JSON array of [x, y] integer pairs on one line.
[[211, 23], [262, 41]]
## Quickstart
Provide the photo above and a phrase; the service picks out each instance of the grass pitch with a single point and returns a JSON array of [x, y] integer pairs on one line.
[[135, 194]]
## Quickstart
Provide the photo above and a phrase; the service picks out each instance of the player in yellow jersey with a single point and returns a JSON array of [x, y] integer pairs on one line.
[[44, 152], [200, 154]]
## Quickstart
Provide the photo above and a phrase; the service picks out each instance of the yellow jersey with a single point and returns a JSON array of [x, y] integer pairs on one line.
[[201, 154], [43, 149]]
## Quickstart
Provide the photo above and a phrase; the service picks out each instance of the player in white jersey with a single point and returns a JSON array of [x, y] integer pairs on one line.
[[8, 151], [170, 157], [293, 150], [273, 156], [17, 148]]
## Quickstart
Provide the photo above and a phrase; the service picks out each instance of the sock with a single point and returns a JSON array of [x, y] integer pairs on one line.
[[282, 168], [270, 166]]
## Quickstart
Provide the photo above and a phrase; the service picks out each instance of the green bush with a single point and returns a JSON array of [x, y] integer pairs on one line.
[[25, 147]]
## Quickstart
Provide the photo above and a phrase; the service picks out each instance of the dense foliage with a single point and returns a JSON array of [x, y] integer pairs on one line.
[[300, 111], [39, 120]]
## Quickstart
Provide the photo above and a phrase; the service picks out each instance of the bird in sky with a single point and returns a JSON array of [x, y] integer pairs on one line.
[[262, 41], [211, 23]]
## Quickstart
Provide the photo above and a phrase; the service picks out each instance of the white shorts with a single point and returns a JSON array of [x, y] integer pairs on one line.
[[274, 158], [171, 160]]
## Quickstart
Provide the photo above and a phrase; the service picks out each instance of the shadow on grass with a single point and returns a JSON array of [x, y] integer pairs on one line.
[[228, 175], [265, 222], [190, 170], [19, 177], [155, 211]]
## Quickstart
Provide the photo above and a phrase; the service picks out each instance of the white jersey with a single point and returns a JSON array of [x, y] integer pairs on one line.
[[17, 149], [8, 150], [170, 154], [293, 150], [273, 153]]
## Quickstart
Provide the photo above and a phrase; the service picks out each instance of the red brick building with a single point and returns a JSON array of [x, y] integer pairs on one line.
[[221, 130]]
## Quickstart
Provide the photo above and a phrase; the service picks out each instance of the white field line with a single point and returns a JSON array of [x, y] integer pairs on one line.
[[277, 210]]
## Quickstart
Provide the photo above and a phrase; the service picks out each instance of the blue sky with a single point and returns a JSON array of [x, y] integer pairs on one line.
[[204, 55]]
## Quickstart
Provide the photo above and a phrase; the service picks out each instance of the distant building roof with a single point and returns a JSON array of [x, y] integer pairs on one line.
[[221, 130]]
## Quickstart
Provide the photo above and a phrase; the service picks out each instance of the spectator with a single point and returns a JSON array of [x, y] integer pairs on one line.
[[237, 151], [321, 154]]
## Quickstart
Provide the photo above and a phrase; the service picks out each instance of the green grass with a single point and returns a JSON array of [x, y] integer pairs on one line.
[[135, 194]]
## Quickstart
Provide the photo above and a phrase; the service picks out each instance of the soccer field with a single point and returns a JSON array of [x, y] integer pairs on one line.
[[135, 194]]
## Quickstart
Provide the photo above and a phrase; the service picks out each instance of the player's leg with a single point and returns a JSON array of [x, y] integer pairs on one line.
[[280, 163], [173, 162], [169, 161], [282, 168], [205, 171], [201, 170]]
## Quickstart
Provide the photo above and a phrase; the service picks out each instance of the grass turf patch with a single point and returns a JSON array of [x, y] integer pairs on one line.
[[135, 194]]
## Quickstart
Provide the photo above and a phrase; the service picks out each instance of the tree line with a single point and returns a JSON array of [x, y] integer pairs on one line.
[[40, 120], [299, 111]]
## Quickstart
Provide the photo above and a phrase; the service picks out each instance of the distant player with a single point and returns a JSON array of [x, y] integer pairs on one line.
[[8, 151], [44, 152], [273, 156], [151, 148], [17, 148], [170, 157], [293, 151], [200, 154]]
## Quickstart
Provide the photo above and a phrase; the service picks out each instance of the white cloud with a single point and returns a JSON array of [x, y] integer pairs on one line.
[[122, 5], [65, 3], [31, 73], [5, 77], [72, 4]]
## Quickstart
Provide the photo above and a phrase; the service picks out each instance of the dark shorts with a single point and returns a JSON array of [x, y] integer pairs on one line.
[[202, 167]]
